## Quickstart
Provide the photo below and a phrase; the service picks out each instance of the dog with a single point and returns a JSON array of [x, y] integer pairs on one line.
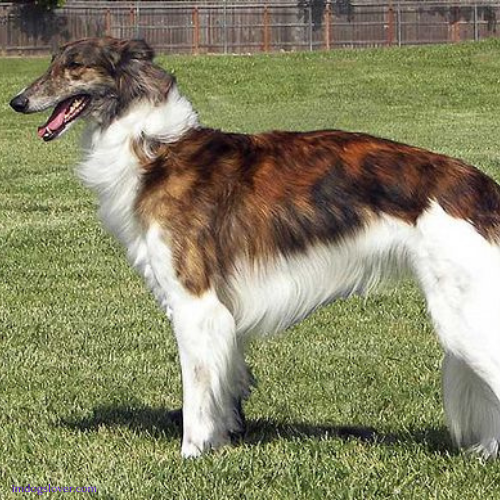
[[242, 234]]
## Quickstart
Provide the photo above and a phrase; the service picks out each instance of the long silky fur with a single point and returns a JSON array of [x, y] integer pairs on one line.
[[238, 235]]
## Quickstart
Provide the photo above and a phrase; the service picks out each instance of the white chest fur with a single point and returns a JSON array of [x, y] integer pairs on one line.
[[114, 173]]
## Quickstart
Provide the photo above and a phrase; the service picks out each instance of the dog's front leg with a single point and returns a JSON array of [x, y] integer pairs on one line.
[[211, 364]]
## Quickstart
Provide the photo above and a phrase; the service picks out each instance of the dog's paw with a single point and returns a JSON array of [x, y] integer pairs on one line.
[[193, 448], [487, 450], [190, 450]]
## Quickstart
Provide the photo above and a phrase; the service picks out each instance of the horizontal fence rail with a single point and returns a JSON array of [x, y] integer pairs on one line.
[[247, 27]]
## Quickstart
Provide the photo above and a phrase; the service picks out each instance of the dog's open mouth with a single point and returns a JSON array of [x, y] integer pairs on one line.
[[64, 113]]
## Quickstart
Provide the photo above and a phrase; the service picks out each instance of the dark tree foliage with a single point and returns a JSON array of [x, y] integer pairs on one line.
[[50, 4], [44, 4], [343, 8], [39, 19], [316, 9]]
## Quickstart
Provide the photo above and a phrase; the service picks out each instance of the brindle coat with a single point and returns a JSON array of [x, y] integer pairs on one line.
[[226, 196]]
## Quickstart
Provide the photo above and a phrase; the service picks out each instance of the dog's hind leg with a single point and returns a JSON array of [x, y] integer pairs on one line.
[[213, 370], [460, 274], [244, 382], [472, 409]]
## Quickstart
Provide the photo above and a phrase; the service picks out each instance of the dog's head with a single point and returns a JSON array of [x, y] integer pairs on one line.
[[96, 78]]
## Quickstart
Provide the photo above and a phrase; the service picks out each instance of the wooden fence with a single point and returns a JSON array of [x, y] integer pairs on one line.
[[247, 27]]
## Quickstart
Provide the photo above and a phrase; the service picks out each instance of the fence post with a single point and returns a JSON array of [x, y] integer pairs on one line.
[[131, 20], [454, 26], [310, 26], [224, 26], [137, 20], [390, 25], [266, 29], [5, 34], [400, 26], [456, 32], [108, 22], [196, 31], [455, 35], [327, 21], [476, 27]]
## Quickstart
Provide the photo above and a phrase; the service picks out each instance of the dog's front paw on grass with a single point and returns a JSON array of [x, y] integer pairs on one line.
[[194, 447]]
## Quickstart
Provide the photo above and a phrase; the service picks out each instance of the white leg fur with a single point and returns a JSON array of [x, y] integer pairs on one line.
[[208, 350], [460, 275], [214, 375], [472, 410]]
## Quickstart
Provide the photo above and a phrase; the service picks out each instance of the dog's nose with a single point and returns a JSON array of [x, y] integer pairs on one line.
[[19, 103]]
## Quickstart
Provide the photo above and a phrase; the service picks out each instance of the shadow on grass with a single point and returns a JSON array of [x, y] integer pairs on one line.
[[162, 423], [432, 439]]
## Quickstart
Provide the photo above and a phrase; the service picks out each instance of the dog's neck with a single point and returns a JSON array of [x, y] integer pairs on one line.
[[112, 169], [164, 122], [109, 151]]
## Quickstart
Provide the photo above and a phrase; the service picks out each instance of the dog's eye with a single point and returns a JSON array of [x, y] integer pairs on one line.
[[74, 65]]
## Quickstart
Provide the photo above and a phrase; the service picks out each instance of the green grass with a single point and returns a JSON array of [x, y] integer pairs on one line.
[[88, 365]]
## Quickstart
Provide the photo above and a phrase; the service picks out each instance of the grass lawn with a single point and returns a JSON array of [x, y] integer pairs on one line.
[[88, 364]]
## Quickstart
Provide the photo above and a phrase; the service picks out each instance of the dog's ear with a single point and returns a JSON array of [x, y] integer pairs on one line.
[[120, 52], [138, 50]]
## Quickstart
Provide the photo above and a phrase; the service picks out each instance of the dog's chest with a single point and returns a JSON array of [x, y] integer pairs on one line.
[[114, 174]]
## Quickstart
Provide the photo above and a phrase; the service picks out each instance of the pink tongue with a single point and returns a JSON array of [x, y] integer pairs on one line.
[[56, 120]]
